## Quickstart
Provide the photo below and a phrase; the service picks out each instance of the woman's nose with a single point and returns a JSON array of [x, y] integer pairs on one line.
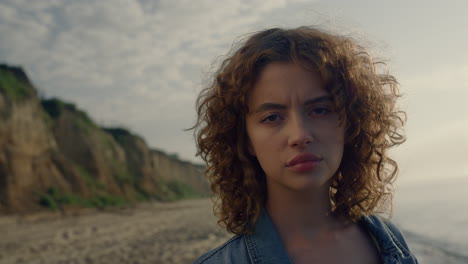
[[299, 132]]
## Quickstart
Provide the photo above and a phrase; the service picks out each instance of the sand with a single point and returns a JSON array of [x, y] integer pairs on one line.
[[149, 233]]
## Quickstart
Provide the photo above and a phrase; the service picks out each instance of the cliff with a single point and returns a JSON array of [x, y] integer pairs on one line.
[[52, 154]]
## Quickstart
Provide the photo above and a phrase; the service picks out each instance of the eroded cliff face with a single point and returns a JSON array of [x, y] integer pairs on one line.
[[170, 168], [30, 161], [50, 145]]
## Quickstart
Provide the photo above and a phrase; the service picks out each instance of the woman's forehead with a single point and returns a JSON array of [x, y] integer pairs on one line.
[[280, 81]]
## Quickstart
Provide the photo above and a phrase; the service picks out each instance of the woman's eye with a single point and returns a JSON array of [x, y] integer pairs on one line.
[[271, 118], [320, 111]]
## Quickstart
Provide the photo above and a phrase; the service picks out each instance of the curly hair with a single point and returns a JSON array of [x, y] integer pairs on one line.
[[364, 94]]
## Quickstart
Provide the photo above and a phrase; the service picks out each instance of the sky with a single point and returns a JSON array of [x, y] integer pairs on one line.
[[140, 64]]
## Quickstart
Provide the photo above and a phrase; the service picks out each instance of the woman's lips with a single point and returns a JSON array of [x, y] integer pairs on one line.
[[303, 162], [304, 166]]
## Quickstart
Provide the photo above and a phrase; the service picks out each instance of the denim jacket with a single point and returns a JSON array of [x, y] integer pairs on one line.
[[265, 246]]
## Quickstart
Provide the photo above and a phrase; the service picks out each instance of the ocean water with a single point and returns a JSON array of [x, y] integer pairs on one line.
[[435, 214]]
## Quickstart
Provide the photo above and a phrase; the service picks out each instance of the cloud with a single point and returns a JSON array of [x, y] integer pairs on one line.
[[140, 64], [440, 78], [133, 63], [437, 126], [436, 98]]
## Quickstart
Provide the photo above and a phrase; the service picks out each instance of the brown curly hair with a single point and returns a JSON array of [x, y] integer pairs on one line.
[[364, 94]]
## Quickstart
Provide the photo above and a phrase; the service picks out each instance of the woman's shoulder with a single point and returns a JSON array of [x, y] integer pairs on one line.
[[232, 251], [384, 227], [389, 237]]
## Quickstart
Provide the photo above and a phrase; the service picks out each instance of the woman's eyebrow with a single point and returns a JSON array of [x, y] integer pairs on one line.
[[269, 106], [274, 106], [318, 99]]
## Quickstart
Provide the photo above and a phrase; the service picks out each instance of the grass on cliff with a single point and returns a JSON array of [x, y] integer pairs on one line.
[[55, 199], [119, 134], [12, 87], [56, 107], [175, 190], [89, 180]]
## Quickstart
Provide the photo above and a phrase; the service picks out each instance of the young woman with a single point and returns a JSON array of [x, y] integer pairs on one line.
[[295, 130]]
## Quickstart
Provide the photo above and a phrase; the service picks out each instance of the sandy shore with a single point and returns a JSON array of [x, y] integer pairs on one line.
[[150, 233]]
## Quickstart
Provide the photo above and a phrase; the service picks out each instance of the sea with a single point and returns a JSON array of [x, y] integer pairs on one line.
[[433, 215]]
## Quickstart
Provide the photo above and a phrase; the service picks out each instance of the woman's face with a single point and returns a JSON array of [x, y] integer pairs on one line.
[[293, 128]]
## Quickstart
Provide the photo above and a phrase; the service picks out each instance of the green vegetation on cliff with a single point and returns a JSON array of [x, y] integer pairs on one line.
[[176, 190], [120, 134], [12, 86], [56, 107], [88, 179], [55, 199]]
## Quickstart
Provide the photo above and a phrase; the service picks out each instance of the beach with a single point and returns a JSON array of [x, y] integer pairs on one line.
[[176, 232], [149, 233]]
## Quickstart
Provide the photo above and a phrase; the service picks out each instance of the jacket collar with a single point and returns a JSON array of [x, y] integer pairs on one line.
[[386, 238], [265, 246]]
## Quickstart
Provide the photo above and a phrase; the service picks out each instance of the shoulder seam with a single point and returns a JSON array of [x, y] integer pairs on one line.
[[392, 229], [216, 250]]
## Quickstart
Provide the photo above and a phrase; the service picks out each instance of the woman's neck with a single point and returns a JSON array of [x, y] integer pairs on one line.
[[306, 213]]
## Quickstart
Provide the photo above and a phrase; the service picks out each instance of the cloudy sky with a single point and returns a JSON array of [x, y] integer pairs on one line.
[[140, 64]]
